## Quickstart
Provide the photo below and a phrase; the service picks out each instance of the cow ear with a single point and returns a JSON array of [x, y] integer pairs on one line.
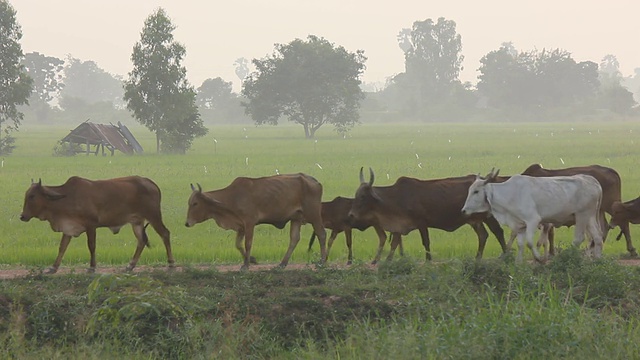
[[193, 188]]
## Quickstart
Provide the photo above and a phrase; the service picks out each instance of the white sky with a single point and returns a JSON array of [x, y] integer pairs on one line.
[[216, 33]]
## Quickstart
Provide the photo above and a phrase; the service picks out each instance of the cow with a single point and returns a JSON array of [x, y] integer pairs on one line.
[[247, 202], [523, 202], [411, 204], [335, 216], [625, 212], [611, 184], [82, 205]]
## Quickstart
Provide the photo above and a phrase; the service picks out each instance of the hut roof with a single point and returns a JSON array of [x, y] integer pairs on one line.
[[111, 136]]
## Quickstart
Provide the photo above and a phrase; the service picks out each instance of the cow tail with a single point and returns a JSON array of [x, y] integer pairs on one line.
[[145, 238]]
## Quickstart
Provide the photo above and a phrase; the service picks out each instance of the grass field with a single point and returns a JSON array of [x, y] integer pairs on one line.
[[392, 150]]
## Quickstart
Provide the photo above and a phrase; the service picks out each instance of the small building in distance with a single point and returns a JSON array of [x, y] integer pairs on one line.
[[101, 136]]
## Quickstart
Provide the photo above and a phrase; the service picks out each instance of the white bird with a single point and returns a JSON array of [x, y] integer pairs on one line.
[[318, 165], [562, 161], [246, 161], [277, 172], [420, 165]]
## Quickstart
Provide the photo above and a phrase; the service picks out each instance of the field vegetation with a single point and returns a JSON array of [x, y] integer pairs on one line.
[[453, 307]]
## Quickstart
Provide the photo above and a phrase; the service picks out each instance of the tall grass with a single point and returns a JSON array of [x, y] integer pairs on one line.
[[417, 150]]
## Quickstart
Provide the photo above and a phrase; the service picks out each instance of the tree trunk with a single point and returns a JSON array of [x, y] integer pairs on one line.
[[306, 131]]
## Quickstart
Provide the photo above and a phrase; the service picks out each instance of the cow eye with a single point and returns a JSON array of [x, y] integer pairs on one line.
[[31, 197], [475, 192]]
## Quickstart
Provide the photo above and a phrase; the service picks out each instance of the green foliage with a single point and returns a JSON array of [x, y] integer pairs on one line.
[[15, 84], [66, 149], [312, 83], [141, 314], [157, 91]]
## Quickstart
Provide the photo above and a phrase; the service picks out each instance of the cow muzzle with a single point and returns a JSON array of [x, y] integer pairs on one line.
[[24, 217]]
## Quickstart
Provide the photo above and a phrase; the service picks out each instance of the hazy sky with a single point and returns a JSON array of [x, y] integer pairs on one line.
[[216, 33]]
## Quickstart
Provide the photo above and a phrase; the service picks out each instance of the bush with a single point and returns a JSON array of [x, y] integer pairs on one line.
[[66, 149]]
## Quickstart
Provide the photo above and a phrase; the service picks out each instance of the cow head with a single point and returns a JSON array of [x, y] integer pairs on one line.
[[621, 213], [477, 197], [199, 207], [366, 199], [37, 199]]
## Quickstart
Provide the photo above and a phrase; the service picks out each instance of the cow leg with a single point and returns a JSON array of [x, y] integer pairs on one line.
[[294, 237], [64, 242], [543, 239], [138, 230], [91, 243], [318, 228], [482, 234], [530, 233], [624, 228], [578, 233], [396, 239], [496, 229], [164, 233], [240, 246], [349, 239], [248, 244], [521, 239], [551, 236], [424, 234], [512, 237], [332, 238], [381, 241], [595, 232]]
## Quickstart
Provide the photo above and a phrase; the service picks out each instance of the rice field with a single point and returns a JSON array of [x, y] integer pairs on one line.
[[391, 150]]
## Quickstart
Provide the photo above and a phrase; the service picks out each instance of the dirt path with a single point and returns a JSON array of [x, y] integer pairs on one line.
[[22, 272]]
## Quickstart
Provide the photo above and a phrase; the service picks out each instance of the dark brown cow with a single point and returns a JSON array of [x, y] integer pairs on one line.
[[411, 204], [611, 184], [625, 212], [274, 200], [81, 205], [335, 216]]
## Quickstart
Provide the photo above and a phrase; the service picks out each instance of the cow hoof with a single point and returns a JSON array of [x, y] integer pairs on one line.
[[252, 260], [282, 265], [91, 270], [129, 268], [349, 262], [244, 267], [374, 262], [633, 253], [51, 270]]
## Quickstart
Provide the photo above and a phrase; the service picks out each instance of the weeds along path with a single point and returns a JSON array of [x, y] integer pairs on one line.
[[19, 273]]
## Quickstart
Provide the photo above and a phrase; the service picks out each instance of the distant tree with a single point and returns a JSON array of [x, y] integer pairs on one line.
[[15, 84], [86, 81], [242, 68], [46, 72], [311, 82], [535, 81], [214, 93], [633, 83], [609, 71], [157, 91], [433, 62]]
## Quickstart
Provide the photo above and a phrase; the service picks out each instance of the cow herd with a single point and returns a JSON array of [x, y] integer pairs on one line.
[[537, 198]]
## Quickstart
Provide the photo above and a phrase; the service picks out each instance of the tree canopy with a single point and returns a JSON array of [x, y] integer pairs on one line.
[[312, 83], [15, 84], [157, 91], [46, 72], [85, 80]]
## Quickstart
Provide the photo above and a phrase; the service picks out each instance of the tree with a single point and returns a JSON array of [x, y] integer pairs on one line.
[[157, 91], [242, 68], [46, 72], [311, 82], [86, 81], [433, 62], [15, 84], [214, 93]]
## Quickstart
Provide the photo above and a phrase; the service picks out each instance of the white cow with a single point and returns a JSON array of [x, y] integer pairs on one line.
[[523, 202]]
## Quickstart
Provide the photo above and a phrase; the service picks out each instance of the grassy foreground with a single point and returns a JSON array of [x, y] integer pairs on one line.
[[461, 309], [393, 150]]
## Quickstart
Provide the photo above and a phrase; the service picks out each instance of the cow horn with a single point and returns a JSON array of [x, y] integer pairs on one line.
[[199, 187], [361, 176], [371, 177]]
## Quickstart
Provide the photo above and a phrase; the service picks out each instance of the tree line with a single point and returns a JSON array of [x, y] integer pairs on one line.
[[311, 82]]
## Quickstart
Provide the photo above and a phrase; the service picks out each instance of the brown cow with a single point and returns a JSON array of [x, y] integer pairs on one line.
[[335, 216], [274, 200], [411, 204], [625, 212], [611, 184], [80, 205]]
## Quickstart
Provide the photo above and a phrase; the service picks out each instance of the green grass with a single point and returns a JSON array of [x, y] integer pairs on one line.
[[417, 150]]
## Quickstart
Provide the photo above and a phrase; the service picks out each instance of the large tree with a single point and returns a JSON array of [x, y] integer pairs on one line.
[[310, 82], [429, 86], [157, 91], [46, 72], [15, 84]]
